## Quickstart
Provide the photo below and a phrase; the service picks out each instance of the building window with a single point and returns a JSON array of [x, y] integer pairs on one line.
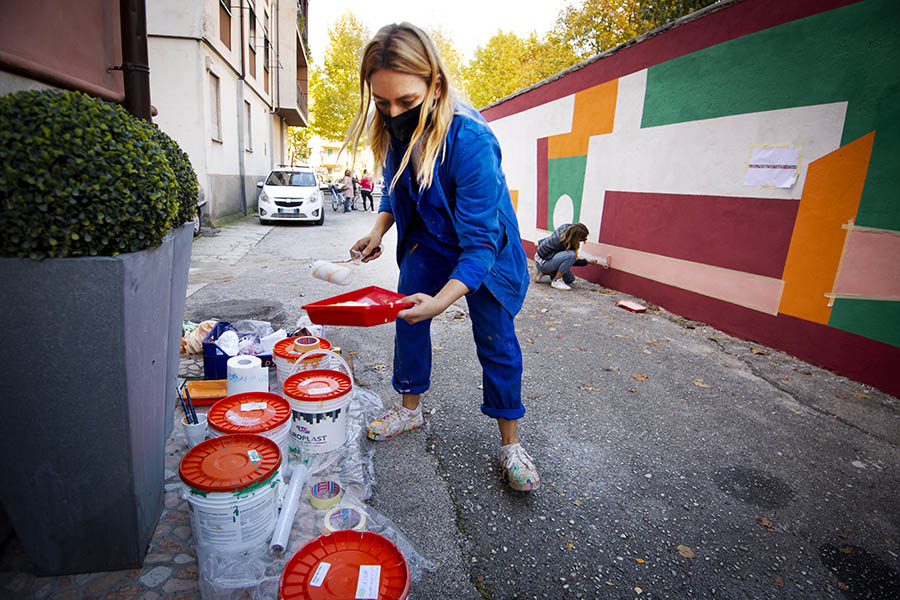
[[225, 23], [251, 56], [215, 111], [248, 128]]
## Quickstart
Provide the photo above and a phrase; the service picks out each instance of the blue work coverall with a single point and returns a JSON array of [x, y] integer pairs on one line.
[[462, 227]]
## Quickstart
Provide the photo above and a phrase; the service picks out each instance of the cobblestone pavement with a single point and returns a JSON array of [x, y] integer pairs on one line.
[[170, 567]]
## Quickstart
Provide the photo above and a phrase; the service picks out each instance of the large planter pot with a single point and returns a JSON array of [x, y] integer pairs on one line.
[[183, 238], [82, 417]]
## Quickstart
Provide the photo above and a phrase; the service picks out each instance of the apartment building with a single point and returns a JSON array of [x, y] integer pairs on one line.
[[227, 78]]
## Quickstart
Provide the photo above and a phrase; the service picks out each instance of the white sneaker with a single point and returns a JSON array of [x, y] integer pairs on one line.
[[519, 468], [560, 284], [394, 421], [541, 277]]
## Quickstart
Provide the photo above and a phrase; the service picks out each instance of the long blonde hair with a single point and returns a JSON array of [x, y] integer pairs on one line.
[[407, 49]]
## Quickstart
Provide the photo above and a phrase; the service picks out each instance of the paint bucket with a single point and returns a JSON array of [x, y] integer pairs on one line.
[[261, 413], [288, 350], [232, 485], [346, 564], [319, 400]]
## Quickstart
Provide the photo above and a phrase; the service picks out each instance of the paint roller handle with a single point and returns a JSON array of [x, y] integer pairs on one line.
[[191, 406], [187, 414]]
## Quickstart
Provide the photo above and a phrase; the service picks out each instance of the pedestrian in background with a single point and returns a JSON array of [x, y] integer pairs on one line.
[[558, 253], [457, 232], [367, 185], [348, 190]]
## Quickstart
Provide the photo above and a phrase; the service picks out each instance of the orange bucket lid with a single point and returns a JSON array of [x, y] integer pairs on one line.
[[317, 385], [285, 348], [229, 463], [329, 568], [250, 412]]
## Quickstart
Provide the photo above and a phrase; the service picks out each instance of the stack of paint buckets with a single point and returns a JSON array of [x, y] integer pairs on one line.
[[232, 481], [319, 400], [287, 352], [232, 484]]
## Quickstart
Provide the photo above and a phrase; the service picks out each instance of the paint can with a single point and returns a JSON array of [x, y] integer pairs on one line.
[[288, 350], [319, 400], [346, 564], [261, 413], [232, 484]]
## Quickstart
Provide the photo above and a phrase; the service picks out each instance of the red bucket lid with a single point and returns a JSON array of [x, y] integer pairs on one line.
[[229, 463], [285, 348], [250, 412], [317, 385], [344, 551]]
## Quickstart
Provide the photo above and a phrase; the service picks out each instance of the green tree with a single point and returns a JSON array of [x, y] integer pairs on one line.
[[298, 143], [598, 25], [508, 63], [334, 86], [660, 12]]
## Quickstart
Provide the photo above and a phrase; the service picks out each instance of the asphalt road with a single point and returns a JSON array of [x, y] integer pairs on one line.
[[677, 462]]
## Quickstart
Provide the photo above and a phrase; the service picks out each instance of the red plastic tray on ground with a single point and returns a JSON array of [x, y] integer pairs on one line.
[[361, 308]]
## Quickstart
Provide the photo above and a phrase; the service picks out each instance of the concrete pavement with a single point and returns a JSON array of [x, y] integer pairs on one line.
[[677, 462]]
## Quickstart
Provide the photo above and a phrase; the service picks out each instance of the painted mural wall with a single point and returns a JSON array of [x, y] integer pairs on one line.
[[741, 169]]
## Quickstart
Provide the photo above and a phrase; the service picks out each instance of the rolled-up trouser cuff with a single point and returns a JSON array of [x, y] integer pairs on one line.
[[503, 413]]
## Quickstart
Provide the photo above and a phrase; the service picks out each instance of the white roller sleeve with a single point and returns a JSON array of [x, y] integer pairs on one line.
[[288, 510], [331, 272]]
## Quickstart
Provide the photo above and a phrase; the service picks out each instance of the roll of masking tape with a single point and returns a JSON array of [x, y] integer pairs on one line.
[[345, 516], [324, 494]]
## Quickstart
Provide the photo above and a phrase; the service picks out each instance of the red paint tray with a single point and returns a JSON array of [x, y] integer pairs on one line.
[[360, 308]]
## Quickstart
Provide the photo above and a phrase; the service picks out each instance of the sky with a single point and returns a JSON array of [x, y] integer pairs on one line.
[[469, 23]]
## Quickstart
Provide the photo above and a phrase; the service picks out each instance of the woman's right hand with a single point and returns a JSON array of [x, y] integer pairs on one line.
[[367, 248]]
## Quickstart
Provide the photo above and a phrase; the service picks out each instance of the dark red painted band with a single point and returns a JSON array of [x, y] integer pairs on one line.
[[543, 193], [751, 235]]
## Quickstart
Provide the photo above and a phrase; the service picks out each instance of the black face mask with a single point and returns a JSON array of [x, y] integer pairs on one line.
[[403, 125]]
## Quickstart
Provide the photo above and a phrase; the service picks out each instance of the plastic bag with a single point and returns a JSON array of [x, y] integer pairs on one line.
[[305, 327], [227, 576], [194, 334]]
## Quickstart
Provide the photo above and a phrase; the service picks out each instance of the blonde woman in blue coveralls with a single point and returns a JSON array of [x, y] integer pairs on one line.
[[457, 233]]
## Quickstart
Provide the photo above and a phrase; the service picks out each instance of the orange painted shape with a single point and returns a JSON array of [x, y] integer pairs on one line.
[[514, 197], [830, 200], [870, 267], [594, 112]]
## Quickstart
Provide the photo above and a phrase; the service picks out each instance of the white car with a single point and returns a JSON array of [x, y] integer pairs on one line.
[[291, 194]]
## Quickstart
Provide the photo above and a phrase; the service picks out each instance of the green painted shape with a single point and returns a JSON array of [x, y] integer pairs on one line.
[[875, 319], [850, 54], [565, 176]]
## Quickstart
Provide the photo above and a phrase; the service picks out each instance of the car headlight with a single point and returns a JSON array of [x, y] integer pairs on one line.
[[263, 197], [313, 197]]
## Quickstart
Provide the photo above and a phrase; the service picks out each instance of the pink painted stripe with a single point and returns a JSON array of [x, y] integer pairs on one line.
[[744, 289], [737, 20], [870, 267]]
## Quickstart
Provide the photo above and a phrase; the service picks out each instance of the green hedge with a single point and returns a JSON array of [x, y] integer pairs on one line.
[[82, 177], [184, 175]]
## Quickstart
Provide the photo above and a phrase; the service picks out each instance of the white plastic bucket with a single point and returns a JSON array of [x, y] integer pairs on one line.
[[318, 426], [285, 365], [234, 521]]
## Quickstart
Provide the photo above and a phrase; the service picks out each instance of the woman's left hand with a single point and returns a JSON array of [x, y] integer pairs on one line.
[[424, 307]]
